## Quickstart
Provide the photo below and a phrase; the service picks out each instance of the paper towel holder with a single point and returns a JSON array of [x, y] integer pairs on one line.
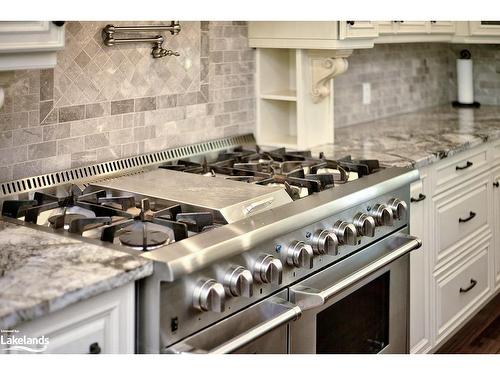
[[465, 55]]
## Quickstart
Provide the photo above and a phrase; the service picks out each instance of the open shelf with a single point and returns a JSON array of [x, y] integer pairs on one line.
[[280, 126], [286, 113], [286, 95]]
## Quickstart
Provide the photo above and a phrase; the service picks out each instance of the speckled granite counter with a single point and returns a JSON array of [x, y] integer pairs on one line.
[[42, 272], [417, 138]]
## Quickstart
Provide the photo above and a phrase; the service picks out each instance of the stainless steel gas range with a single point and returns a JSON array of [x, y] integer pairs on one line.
[[255, 251]]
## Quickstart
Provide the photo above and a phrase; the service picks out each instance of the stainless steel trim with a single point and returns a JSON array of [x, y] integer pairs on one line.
[[286, 313], [255, 206], [120, 167], [197, 252], [308, 298]]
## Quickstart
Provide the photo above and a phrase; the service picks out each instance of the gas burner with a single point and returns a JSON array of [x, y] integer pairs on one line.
[[63, 220], [297, 172], [138, 236]]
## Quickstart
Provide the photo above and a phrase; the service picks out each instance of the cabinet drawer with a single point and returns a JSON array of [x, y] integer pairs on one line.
[[461, 214], [461, 291], [496, 151], [461, 167]]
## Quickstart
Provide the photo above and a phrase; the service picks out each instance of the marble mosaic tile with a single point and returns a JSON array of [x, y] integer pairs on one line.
[[101, 103]]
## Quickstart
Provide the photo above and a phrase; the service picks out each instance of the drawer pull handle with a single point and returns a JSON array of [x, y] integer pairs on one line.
[[421, 197], [496, 184], [473, 283], [94, 348], [472, 215], [467, 165], [350, 23]]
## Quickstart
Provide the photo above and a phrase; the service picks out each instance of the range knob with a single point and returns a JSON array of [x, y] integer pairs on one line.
[[268, 269], [325, 242], [382, 214], [238, 281], [209, 295], [398, 208], [299, 254], [365, 224], [345, 232]]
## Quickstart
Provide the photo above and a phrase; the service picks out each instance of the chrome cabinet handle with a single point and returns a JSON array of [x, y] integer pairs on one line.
[[473, 283], [467, 165], [472, 215], [421, 197], [308, 298], [288, 312]]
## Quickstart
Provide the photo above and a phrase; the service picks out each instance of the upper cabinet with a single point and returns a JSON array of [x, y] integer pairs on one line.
[[415, 31], [477, 32], [345, 35], [29, 44], [312, 35]]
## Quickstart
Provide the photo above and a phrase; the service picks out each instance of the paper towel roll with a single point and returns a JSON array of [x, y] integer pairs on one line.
[[464, 81]]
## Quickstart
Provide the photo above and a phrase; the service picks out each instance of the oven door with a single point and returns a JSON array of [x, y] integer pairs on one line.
[[359, 305], [259, 329]]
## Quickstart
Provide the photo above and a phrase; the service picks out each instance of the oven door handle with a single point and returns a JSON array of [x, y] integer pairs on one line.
[[308, 298], [288, 312]]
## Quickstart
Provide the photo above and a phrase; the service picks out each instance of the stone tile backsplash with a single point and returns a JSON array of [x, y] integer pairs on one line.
[[407, 77], [403, 78], [101, 103]]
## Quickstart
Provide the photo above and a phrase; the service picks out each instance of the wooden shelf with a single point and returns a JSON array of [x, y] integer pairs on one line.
[[286, 95]]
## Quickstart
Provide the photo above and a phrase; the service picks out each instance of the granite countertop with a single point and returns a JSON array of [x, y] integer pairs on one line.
[[42, 272], [418, 138]]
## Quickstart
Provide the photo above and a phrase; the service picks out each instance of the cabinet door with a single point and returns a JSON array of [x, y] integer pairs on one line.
[[419, 274], [412, 27], [496, 224], [30, 36], [29, 44], [101, 324], [358, 29], [485, 28], [442, 27], [386, 27]]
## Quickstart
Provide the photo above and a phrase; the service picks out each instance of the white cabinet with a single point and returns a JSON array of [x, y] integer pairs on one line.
[[358, 30], [415, 31], [481, 32], [442, 27], [461, 289], [411, 27], [102, 324], [29, 44], [419, 270], [459, 223], [484, 28], [294, 109], [496, 221], [328, 35]]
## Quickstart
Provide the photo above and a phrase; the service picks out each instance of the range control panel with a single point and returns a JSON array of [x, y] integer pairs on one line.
[[224, 288]]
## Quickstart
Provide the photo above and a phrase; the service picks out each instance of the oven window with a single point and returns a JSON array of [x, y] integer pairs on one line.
[[358, 323]]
